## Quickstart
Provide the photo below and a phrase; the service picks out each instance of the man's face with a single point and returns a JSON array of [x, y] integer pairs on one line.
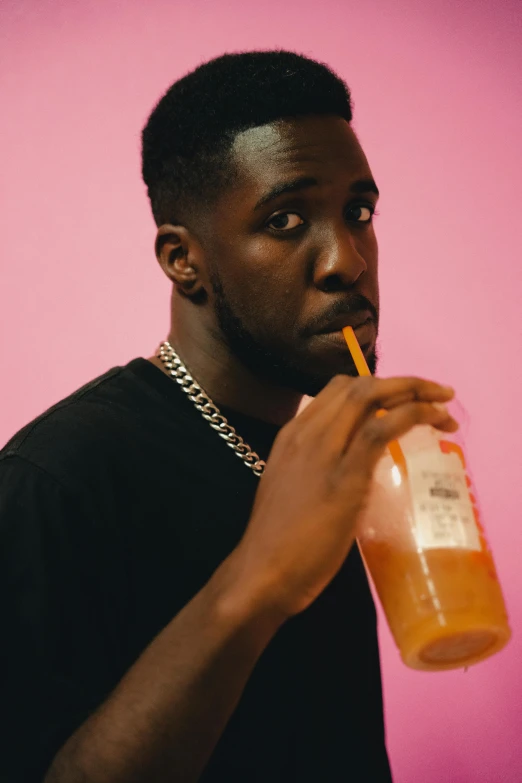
[[292, 252]]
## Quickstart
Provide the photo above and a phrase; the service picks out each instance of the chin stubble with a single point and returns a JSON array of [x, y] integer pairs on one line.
[[260, 360]]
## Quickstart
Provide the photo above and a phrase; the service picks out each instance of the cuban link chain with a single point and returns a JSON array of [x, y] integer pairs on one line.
[[210, 412]]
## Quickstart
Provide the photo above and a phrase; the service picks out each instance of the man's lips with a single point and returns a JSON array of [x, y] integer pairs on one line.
[[355, 320]]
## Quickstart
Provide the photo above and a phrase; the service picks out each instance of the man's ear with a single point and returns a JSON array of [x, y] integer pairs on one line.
[[180, 256]]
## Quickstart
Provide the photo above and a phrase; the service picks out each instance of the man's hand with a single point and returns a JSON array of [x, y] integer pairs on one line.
[[317, 481]]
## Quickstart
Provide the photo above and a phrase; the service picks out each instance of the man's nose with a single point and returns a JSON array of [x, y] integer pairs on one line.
[[339, 264]]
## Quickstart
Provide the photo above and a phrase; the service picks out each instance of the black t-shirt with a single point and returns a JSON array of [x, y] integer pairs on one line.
[[116, 506]]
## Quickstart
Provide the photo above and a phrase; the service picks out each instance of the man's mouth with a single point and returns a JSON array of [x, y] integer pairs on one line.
[[360, 320], [364, 325]]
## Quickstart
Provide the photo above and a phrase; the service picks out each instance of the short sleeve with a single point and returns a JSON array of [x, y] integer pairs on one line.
[[55, 664]]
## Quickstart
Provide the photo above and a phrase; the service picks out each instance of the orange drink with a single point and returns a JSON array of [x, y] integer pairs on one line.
[[425, 549], [444, 607]]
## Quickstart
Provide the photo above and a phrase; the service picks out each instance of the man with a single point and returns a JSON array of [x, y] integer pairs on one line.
[[175, 610]]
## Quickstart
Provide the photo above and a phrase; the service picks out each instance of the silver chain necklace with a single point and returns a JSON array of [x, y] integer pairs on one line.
[[179, 373]]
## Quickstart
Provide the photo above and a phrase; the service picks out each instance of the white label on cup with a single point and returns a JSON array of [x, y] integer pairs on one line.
[[441, 504]]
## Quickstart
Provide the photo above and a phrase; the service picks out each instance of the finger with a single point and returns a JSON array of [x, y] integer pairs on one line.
[[402, 390], [385, 393], [372, 438], [336, 417], [328, 398]]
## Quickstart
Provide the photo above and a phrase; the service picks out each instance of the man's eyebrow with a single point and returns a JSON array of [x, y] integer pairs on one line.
[[358, 187], [364, 186], [286, 187]]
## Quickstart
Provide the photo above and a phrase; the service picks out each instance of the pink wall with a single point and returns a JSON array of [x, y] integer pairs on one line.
[[438, 108]]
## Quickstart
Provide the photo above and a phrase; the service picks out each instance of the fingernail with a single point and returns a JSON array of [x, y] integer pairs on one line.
[[441, 407]]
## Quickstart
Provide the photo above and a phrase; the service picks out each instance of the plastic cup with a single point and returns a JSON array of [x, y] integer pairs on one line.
[[424, 546]]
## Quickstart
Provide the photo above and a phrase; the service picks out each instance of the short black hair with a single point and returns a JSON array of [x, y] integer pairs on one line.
[[192, 128]]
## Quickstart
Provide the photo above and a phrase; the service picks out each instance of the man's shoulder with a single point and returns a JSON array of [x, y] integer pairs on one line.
[[73, 411], [91, 426]]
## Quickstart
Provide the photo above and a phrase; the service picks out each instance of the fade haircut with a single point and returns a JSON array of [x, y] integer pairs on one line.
[[188, 137]]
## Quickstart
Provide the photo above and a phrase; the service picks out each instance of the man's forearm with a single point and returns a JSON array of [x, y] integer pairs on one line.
[[165, 717]]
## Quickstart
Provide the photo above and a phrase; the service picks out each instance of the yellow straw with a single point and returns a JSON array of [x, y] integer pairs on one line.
[[361, 365]]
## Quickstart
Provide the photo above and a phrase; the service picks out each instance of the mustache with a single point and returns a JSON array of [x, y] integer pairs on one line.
[[347, 306]]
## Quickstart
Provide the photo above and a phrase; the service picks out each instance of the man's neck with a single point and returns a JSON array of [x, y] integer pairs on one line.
[[229, 383]]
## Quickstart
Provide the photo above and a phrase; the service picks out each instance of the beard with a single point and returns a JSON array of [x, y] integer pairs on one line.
[[273, 367]]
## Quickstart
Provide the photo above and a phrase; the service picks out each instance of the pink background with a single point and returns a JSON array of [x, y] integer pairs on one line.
[[438, 108]]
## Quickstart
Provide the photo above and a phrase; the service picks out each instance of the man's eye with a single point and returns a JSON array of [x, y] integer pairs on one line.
[[285, 222], [360, 214]]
